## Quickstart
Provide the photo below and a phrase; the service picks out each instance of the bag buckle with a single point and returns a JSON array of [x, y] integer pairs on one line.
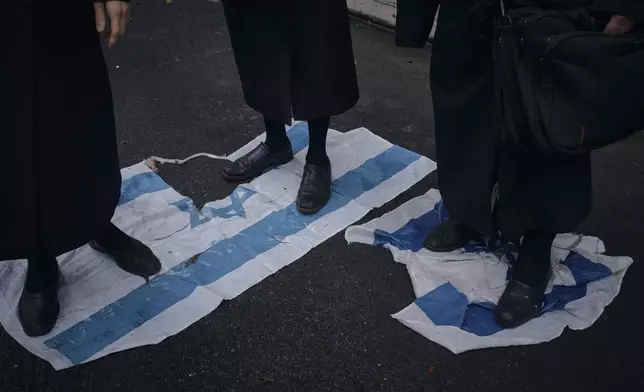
[[505, 21]]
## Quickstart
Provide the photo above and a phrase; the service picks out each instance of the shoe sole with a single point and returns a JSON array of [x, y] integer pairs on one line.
[[312, 211], [444, 250], [252, 175], [452, 249], [35, 333], [507, 325]]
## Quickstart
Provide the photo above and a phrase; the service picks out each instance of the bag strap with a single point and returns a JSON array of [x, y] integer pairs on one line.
[[505, 21]]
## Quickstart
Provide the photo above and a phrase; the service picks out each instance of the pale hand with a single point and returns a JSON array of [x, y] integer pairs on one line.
[[619, 25], [118, 13]]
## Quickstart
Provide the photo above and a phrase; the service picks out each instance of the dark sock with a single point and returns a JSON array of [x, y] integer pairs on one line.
[[276, 137], [113, 238], [318, 129], [534, 258], [42, 273]]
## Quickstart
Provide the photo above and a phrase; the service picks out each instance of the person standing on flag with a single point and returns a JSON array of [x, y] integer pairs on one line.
[[61, 176], [295, 60], [536, 196]]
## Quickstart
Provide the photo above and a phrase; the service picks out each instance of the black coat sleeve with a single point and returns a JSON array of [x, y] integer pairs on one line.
[[633, 9], [414, 22]]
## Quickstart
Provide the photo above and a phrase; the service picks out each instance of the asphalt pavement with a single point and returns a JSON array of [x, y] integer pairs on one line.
[[323, 323]]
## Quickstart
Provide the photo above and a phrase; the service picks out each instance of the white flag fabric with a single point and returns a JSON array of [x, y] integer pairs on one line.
[[458, 291], [208, 255]]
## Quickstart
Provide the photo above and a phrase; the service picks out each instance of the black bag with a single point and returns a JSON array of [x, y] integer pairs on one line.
[[562, 85]]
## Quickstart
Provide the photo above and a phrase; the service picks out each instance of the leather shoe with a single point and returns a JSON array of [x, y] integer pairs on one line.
[[315, 189], [257, 162], [450, 236], [38, 311], [520, 303], [134, 257]]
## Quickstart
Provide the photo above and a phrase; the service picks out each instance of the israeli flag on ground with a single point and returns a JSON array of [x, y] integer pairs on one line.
[[208, 255], [457, 292]]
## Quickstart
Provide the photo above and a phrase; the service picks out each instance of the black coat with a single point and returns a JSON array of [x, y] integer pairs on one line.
[[414, 22], [295, 57], [60, 172], [415, 18], [535, 192]]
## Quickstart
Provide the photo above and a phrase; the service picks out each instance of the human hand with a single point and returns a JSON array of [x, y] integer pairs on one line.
[[619, 25], [118, 13]]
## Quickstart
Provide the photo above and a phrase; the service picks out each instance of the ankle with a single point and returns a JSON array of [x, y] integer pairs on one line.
[[113, 238], [533, 265], [318, 160], [537, 243], [462, 229], [276, 138], [278, 144], [42, 274]]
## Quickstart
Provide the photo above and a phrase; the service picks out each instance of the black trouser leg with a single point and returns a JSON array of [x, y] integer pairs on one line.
[[42, 272], [113, 238], [276, 137], [318, 129], [534, 257]]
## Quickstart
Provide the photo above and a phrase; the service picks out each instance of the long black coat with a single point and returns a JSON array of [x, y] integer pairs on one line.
[[58, 159], [535, 192], [295, 57], [414, 22]]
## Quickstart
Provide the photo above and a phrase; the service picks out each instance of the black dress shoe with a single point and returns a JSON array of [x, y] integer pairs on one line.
[[133, 257], [315, 189], [38, 311], [520, 303], [257, 162], [450, 236]]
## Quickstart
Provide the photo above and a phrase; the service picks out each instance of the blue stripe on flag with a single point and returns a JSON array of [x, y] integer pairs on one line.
[[140, 184], [443, 305], [187, 205], [585, 271], [236, 208], [561, 296], [92, 335], [480, 319], [413, 234], [299, 136], [446, 306]]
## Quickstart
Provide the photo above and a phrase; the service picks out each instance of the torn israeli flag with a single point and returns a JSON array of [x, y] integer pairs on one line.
[[208, 255], [458, 291]]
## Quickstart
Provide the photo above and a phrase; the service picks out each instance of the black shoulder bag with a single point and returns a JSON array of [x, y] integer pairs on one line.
[[562, 85]]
